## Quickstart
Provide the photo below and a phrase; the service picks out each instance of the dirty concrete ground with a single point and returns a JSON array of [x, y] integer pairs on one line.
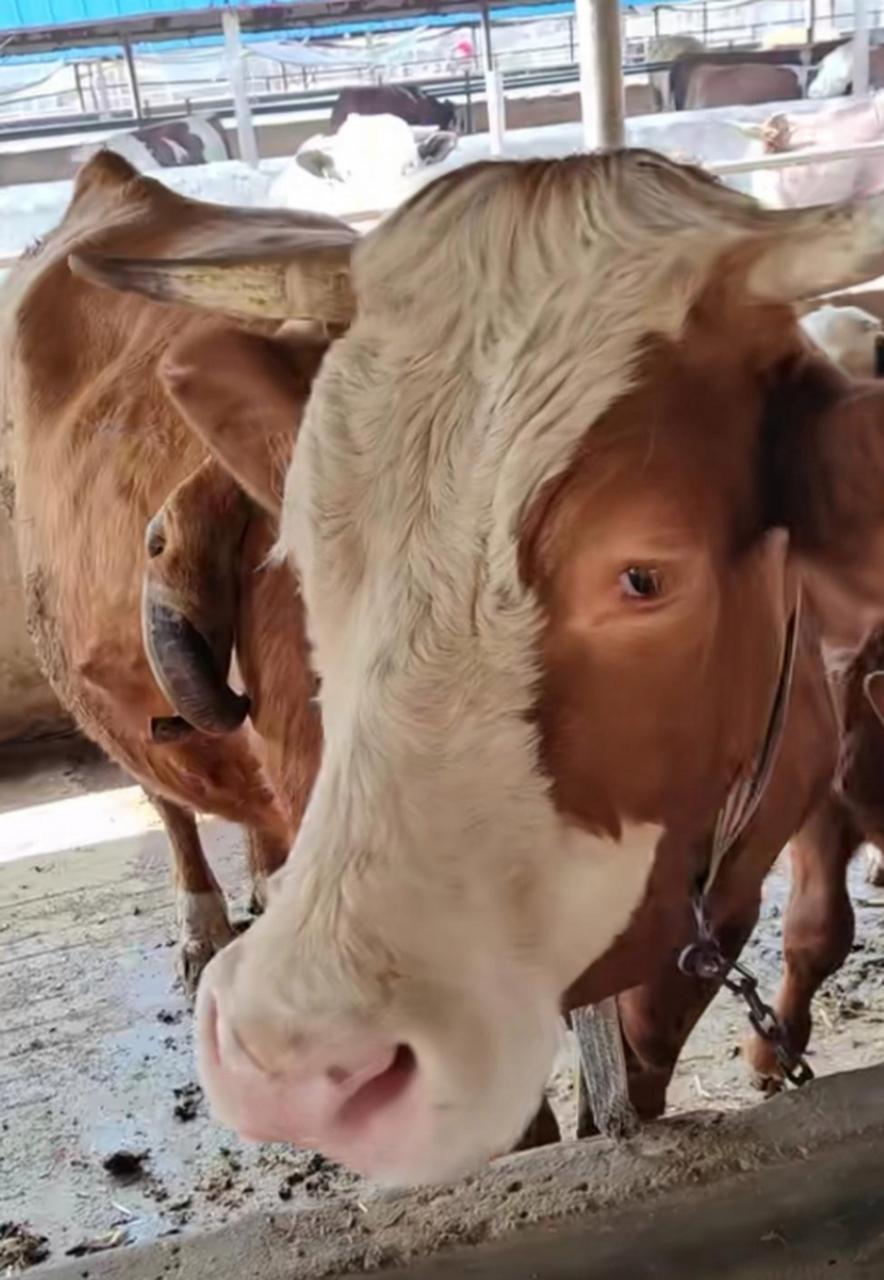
[[104, 1136]]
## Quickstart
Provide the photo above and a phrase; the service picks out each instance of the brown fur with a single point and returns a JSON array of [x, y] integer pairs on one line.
[[97, 448], [740, 85], [593, 775]]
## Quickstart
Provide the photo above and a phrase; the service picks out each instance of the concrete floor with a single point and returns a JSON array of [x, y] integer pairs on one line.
[[95, 1047]]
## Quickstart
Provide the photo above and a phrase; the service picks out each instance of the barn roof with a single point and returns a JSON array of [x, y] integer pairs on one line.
[[29, 27]]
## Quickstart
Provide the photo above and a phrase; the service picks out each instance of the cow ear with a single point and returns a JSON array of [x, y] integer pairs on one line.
[[318, 162], [437, 146], [244, 395], [827, 489]]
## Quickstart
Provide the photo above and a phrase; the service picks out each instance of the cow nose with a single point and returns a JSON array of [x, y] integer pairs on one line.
[[299, 1090]]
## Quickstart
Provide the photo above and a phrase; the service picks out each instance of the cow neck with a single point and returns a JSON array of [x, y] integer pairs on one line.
[[747, 793]]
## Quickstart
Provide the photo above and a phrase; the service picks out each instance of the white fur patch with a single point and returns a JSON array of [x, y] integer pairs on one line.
[[494, 328]]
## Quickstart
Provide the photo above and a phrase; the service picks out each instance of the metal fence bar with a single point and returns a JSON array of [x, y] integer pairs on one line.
[[788, 159]]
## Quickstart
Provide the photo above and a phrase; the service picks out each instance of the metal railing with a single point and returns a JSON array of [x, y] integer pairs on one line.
[[103, 90]]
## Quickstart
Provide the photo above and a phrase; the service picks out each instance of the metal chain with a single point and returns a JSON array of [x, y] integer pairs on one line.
[[704, 959]]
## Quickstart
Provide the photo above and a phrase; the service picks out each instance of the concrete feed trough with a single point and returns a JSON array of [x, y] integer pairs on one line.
[[789, 1188]]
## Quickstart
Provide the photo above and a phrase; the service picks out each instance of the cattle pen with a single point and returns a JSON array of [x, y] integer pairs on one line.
[[111, 1165]]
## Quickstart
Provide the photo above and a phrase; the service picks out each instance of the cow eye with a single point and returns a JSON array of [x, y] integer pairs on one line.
[[640, 583]]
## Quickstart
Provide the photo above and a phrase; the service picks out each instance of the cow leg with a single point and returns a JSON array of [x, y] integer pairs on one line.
[[875, 864], [818, 929], [267, 851], [657, 1017], [202, 915]]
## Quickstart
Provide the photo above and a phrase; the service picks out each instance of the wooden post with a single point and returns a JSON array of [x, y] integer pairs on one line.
[[133, 78], [245, 129], [601, 73]]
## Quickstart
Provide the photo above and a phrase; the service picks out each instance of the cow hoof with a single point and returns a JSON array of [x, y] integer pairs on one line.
[[770, 1086], [764, 1070], [875, 868], [205, 930], [258, 900]]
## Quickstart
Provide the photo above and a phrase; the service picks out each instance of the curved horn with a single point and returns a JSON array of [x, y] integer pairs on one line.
[[808, 252], [308, 282], [185, 668]]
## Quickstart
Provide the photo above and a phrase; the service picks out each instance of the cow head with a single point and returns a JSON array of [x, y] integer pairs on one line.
[[774, 135], [550, 503], [446, 115], [373, 149]]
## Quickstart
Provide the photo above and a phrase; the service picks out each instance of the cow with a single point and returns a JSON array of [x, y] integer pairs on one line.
[[554, 618], [834, 75], [860, 685], [828, 181], [697, 85], [668, 49], [371, 146], [372, 163], [414, 106], [167, 144], [96, 445]]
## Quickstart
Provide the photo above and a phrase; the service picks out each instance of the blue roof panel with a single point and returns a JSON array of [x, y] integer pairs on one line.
[[56, 13], [22, 14]]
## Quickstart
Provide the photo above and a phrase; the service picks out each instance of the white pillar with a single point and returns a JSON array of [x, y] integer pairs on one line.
[[810, 19], [601, 73], [248, 146], [104, 106], [494, 96], [496, 110], [860, 48]]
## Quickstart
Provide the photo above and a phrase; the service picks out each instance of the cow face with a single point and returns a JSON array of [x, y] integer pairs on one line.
[[374, 149], [550, 504]]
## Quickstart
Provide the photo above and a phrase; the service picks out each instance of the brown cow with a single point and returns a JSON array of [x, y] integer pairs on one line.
[[96, 446], [553, 500], [697, 85], [414, 106], [830, 817]]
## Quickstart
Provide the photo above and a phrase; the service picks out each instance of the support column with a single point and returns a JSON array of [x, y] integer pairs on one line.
[[601, 73], [133, 78], [248, 146], [810, 19], [104, 107], [861, 49], [494, 95]]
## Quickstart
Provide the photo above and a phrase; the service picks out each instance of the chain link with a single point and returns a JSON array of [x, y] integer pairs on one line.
[[704, 959]]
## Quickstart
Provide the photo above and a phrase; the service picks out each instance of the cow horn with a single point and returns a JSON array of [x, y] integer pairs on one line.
[[187, 671], [819, 251], [312, 284]]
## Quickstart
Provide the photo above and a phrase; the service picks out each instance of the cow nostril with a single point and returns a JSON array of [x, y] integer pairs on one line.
[[369, 1091], [397, 1060], [156, 538]]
